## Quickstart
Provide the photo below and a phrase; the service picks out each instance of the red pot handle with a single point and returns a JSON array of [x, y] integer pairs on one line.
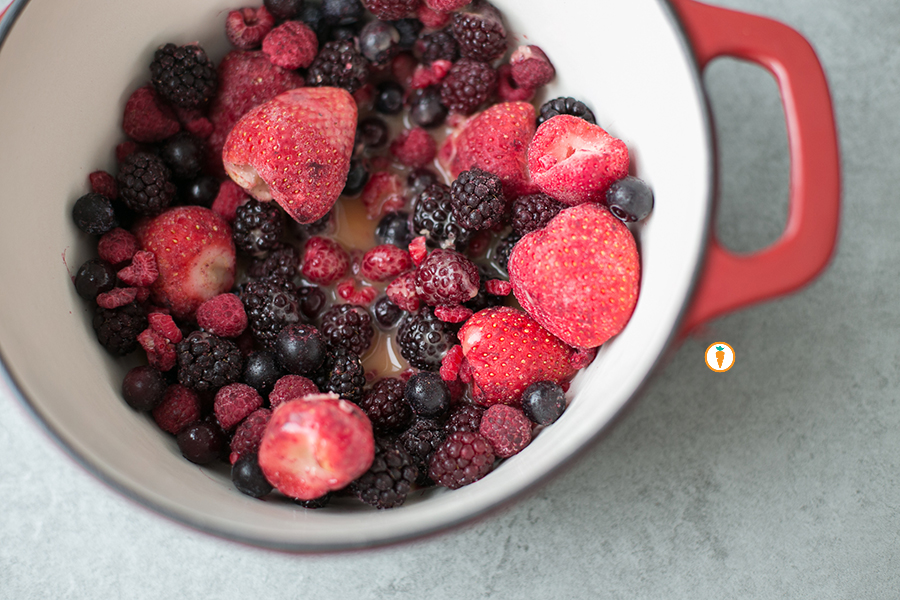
[[730, 281]]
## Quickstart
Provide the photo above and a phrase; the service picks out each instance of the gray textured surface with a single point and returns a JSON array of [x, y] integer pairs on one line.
[[778, 479]]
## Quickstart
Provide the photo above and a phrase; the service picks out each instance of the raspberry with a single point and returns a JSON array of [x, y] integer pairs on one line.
[[104, 184], [180, 407], [353, 292], [402, 292], [383, 194], [506, 429], [270, 304], [117, 297], [414, 147], [339, 64], [498, 287], [391, 10], [433, 217], [160, 351], [530, 67], [245, 28], [207, 362], [565, 106], [507, 88], [418, 250], [234, 403], [257, 227], [249, 433], [452, 314], [117, 246], [183, 75], [324, 260], [222, 315], [477, 199], [446, 277], [342, 373], [291, 45], [424, 340], [438, 45], [142, 271], [165, 326], [480, 33], [226, 202], [446, 5], [451, 363], [468, 85], [384, 262], [422, 438], [465, 417], [389, 480], [291, 387], [282, 261], [431, 18], [504, 247], [533, 212], [117, 328], [147, 118], [145, 184], [385, 406], [348, 326], [463, 458]]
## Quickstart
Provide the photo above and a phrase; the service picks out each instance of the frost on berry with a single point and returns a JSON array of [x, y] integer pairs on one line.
[[117, 246], [142, 271], [117, 297], [384, 262], [447, 277], [350, 290], [324, 261], [402, 292], [160, 351]]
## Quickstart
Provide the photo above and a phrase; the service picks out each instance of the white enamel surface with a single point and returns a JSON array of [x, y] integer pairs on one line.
[[65, 72]]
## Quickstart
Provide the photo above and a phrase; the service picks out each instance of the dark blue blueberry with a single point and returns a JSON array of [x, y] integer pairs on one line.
[[389, 97], [372, 132], [261, 371], [201, 191], [300, 349], [394, 229], [379, 42], [427, 394], [93, 214], [201, 442], [248, 477], [283, 9], [629, 199], [409, 30], [426, 109], [184, 154], [143, 387], [543, 402], [94, 277], [314, 17], [387, 314], [342, 12], [356, 178], [418, 181]]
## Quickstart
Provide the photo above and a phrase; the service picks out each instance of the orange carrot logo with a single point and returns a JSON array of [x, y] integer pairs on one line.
[[719, 357]]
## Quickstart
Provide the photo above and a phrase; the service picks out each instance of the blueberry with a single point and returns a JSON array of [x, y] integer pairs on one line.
[[261, 371], [543, 402], [426, 109], [300, 349], [283, 9], [314, 17], [320, 502], [372, 132], [427, 394], [143, 387], [409, 30], [389, 98], [93, 214], [394, 229], [94, 277], [312, 301], [342, 12], [378, 41], [342, 32], [201, 191], [249, 478], [183, 153], [418, 181], [387, 314], [201, 442], [356, 178], [629, 199]]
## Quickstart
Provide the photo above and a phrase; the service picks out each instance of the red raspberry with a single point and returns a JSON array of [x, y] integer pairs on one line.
[[160, 351], [446, 277], [384, 262], [506, 428], [418, 251], [223, 315], [230, 196], [291, 45], [180, 407], [163, 324], [291, 387], [507, 88], [463, 458], [530, 67], [324, 261], [362, 295], [147, 118], [104, 183], [234, 403], [391, 10], [246, 27], [582, 358], [249, 433], [451, 362], [382, 194], [426, 76], [117, 297], [452, 314], [433, 18], [497, 287], [117, 246], [445, 5], [126, 149], [414, 148], [402, 292], [142, 271], [195, 121], [142, 294]]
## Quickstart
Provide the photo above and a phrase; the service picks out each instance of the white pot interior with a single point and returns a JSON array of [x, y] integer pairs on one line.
[[66, 70]]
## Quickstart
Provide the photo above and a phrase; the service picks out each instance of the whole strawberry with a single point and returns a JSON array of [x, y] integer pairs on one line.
[[578, 276], [295, 149], [506, 351]]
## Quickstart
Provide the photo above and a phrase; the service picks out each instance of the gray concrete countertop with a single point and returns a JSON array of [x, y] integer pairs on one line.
[[778, 479]]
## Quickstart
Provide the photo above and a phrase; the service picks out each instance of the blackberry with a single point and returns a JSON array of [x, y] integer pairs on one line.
[[338, 64], [183, 75], [504, 248], [117, 328], [93, 214], [533, 212], [282, 262], [468, 85], [438, 45], [271, 304], [386, 407], [424, 340], [433, 217], [463, 458], [422, 438], [409, 32], [348, 326], [342, 373], [94, 277], [390, 10], [478, 200], [390, 478], [207, 362], [387, 314], [465, 417], [565, 106], [257, 227], [480, 33], [145, 184], [184, 154]]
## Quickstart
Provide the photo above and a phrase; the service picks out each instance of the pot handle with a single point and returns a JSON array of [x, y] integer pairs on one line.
[[729, 281]]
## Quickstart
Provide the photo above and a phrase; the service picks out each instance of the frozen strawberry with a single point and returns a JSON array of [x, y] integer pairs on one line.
[[530, 67], [223, 315], [117, 246], [354, 292], [506, 429], [316, 445], [291, 45], [574, 161], [291, 387], [248, 434], [234, 403], [142, 271], [506, 351], [245, 28], [590, 254], [382, 194], [160, 351], [195, 256], [402, 292], [295, 149], [147, 118], [384, 262], [324, 260], [117, 297], [246, 79], [230, 196], [180, 407], [164, 325], [104, 184], [495, 140], [414, 147]]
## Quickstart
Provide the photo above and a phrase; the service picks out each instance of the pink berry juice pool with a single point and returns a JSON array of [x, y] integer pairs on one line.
[[352, 256]]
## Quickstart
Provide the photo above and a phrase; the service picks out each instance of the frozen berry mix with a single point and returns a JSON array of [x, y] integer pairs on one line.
[[339, 248]]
